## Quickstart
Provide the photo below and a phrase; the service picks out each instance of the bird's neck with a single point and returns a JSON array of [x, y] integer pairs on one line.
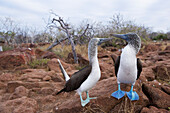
[[135, 44], [92, 54], [129, 50]]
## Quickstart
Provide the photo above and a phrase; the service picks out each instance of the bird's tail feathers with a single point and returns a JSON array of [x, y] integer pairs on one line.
[[113, 59], [60, 91], [63, 71]]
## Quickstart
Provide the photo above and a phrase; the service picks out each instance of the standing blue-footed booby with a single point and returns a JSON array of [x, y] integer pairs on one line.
[[86, 78], [127, 67]]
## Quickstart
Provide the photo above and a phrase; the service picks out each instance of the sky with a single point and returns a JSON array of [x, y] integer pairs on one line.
[[151, 13]]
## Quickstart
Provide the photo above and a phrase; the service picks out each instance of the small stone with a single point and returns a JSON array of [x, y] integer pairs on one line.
[[47, 78]]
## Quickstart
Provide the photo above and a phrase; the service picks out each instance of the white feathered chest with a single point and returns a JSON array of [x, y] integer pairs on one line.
[[127, 72]]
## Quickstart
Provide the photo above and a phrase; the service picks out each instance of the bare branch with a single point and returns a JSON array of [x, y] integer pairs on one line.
[[56, 43]]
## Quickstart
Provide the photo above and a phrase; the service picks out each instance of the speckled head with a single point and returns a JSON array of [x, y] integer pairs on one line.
[[92, 47], [132, 38]]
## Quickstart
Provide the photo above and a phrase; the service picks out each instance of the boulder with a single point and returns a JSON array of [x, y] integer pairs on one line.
[[167, 48], [165, 53], [151, 47], [17, 57], [166, 89], [155, 84], [153, 109], [40, 54], [156, 96], [36, 75], [114, 57], [57, 77], [46, 90], [148, 73], [2, 85], [19, 92], [54, 65], [47, 78], [19, 105], [29, 85], [4, 77], [101, 55], [162, 72], [104, 101], [81, 60]]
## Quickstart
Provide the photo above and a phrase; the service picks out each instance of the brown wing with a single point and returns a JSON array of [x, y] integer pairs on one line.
[[139, 67], [117, 63], [77, 79]]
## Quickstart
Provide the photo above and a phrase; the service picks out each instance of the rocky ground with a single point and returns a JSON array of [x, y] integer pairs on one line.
[[26, 90]]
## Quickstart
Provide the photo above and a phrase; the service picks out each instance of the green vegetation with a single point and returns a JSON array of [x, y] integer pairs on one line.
[[7, 47], [38, 63], [161, 37]]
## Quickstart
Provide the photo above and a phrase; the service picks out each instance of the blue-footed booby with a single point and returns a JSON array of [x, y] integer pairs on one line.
[[127, 67], [86, 78]]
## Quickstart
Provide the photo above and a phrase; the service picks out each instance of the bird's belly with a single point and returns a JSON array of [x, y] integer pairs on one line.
[[127, 75], [89, 82]]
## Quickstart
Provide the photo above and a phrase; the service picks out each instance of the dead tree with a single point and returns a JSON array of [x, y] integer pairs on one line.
[[63, 26], [84, 34], [66, 29]]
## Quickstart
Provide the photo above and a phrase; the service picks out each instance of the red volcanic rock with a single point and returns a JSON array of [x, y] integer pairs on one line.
[[12, 85], [81, 60], [19, 92], [34, 90], [151, 47], [155, 83], [7, 77], [29, 85], [46, 90], [166, 53], [153, 109], [19, 105], [166, 89], [54, 65], [167, 48], [101, 92], [101, 55], [47, 78], [104, 101], [2, 85], [13, 58], [148, 73], [114, 57], [71, 72], [156, 96], [44, 54], [36, 75], [162, 72]]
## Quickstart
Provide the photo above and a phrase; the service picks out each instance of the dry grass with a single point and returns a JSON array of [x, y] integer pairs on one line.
[[64, 50]]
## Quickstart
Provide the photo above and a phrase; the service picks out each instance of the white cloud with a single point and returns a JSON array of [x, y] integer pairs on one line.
[[154, 13]]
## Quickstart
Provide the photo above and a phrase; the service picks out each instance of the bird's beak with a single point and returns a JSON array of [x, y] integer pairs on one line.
[[102, 40], [122, 36]]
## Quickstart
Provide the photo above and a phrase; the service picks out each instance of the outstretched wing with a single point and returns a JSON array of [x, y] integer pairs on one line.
[[139, 67], [117, 63], [78, 78]]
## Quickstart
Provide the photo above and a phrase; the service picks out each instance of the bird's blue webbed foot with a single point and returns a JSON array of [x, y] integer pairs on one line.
[[119, 93], [89, 98], [132, 95], [84, 102]]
